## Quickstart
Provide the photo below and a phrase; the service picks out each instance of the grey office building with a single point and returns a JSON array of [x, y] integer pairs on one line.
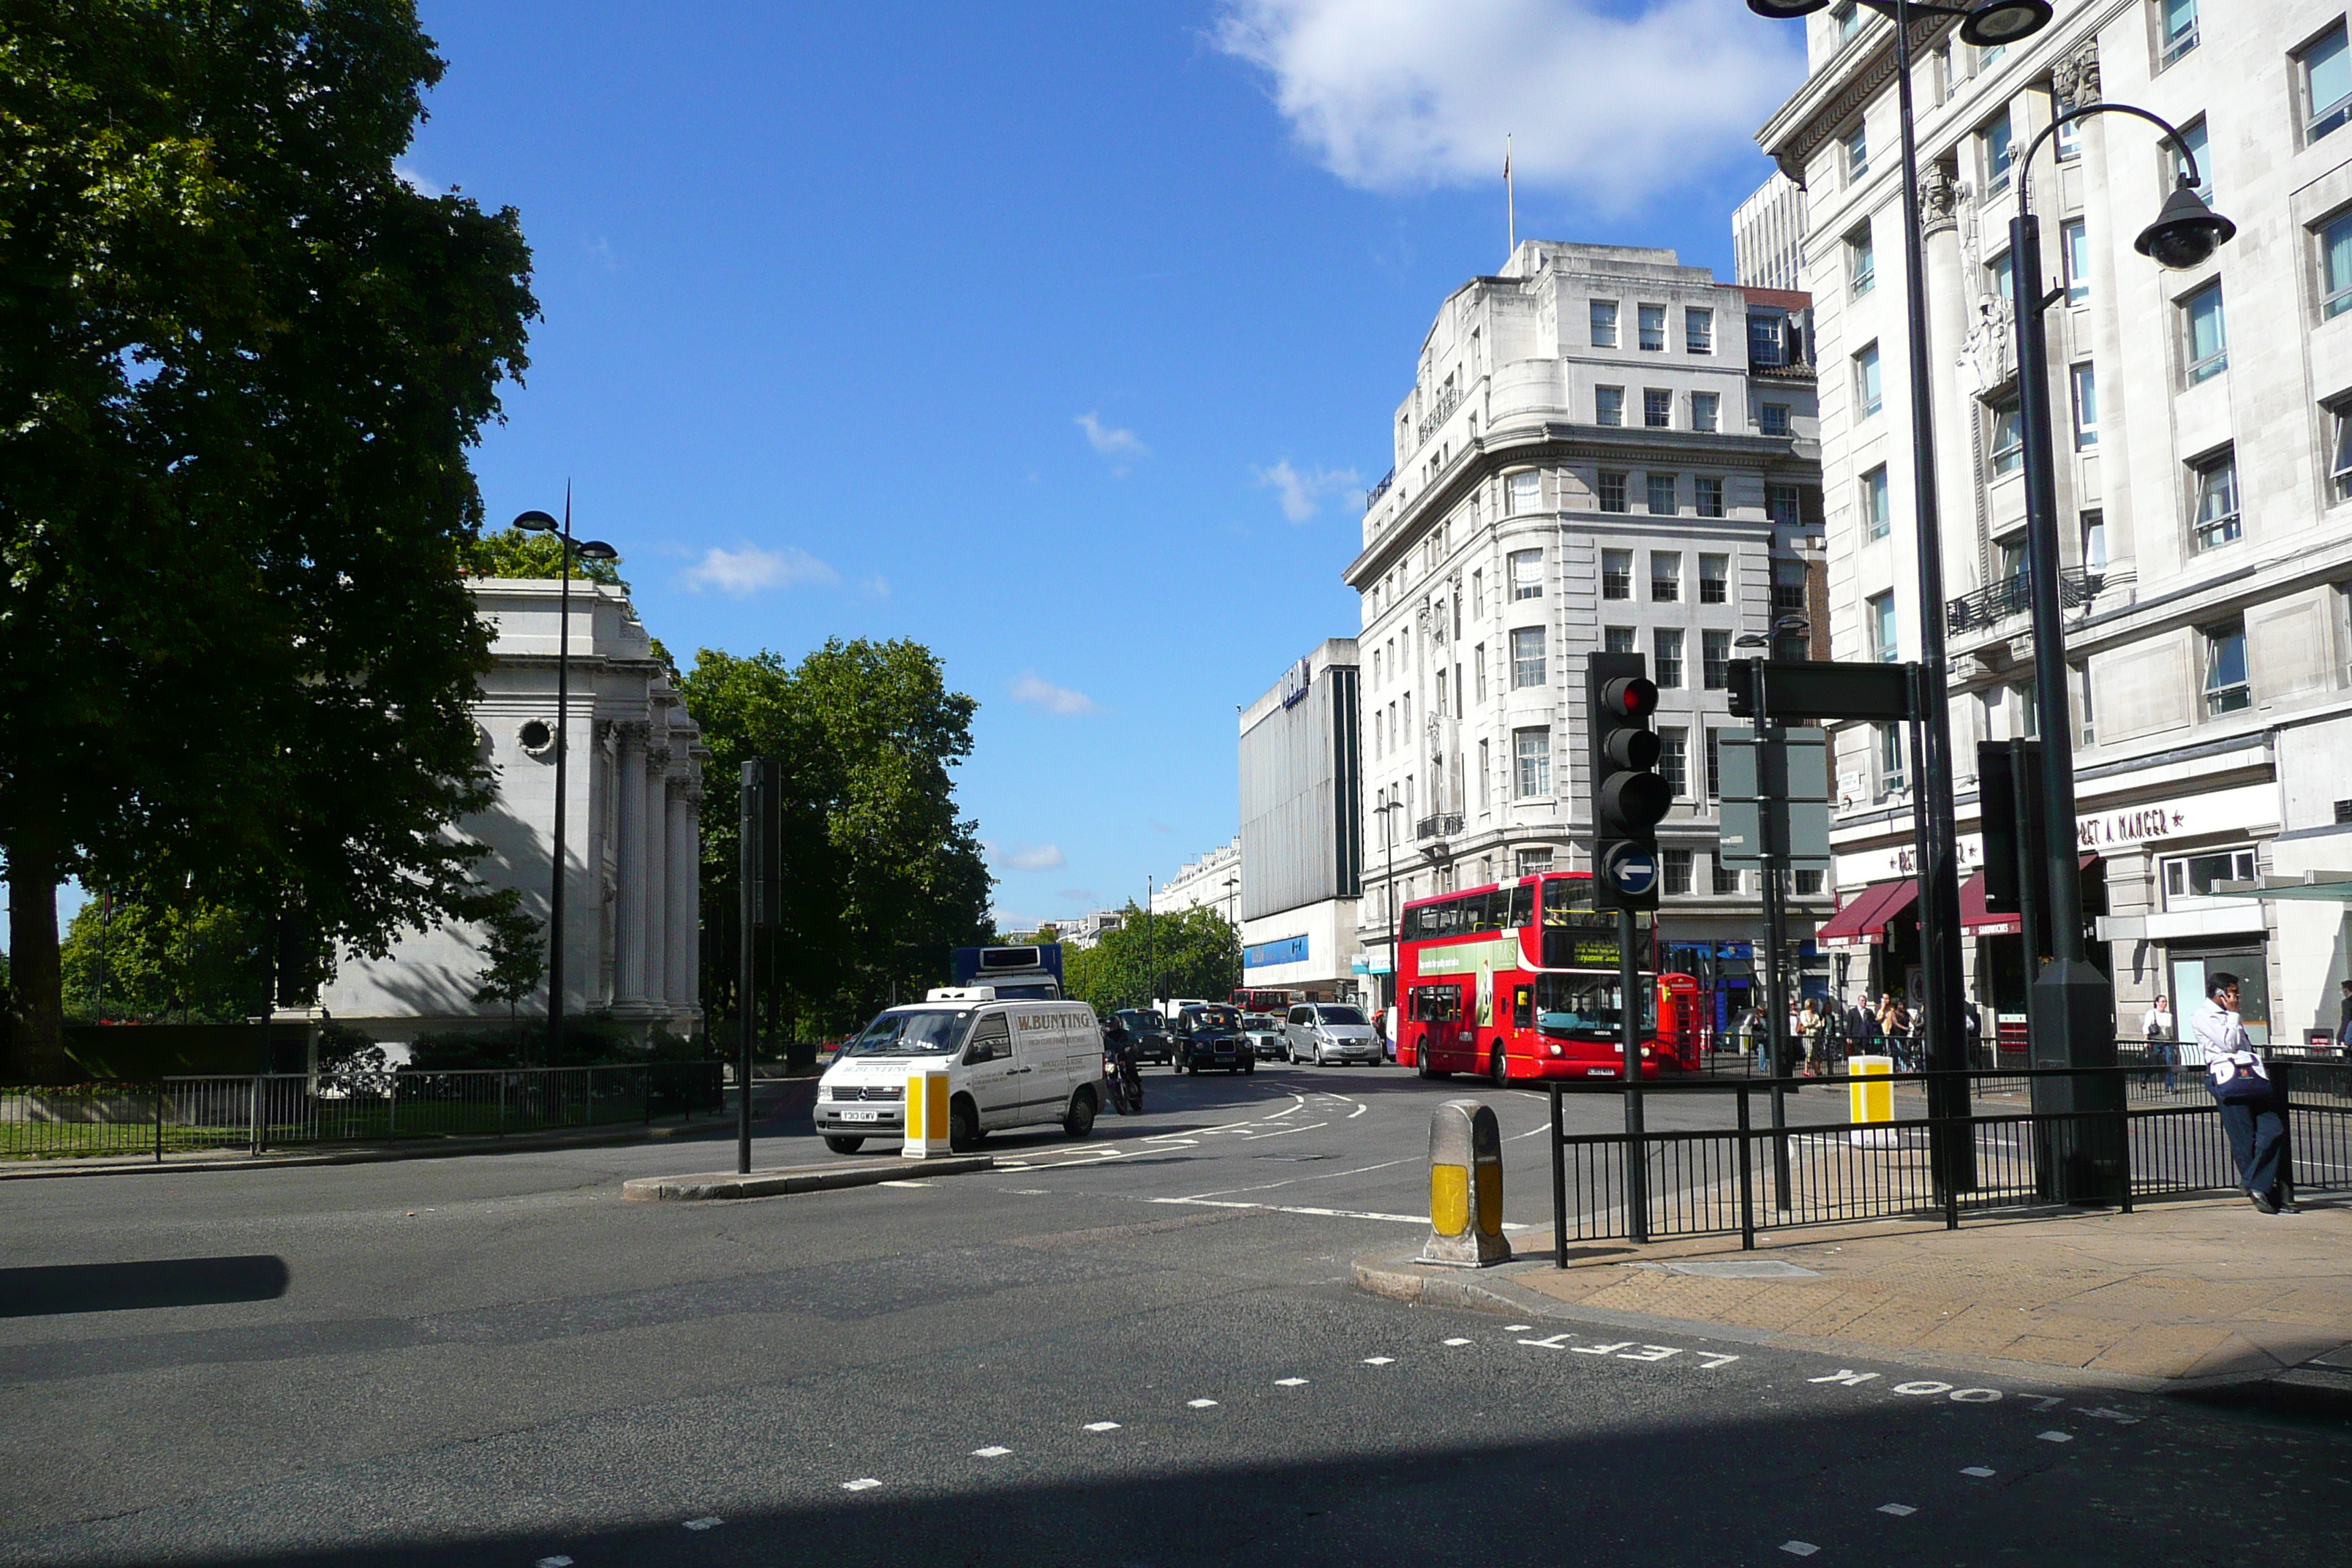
[[1302, 828]]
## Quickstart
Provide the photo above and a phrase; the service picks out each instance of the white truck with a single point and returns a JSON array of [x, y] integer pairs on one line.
[[1009, 1064]]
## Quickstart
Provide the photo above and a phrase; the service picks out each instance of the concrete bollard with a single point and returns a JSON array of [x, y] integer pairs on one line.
[[927, 1113], [1870, 1102], [1466, 1187]]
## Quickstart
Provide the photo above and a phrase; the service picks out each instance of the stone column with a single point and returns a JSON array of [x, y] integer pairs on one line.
[[656, 941], [629, 830], [685, 984], [1949, 302]]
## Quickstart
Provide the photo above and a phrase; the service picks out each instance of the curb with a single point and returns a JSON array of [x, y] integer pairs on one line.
[[795, 1179], [1400, 1279]]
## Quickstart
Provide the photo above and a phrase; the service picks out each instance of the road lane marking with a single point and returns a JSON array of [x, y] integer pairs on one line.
[[1318, 1213], [1455, 1341], [1798, 1548], [1977, 1471], [1379, 1360], [554, 1562], [1517, 1328], [1290, 1383], [707, 1521], [2055, 1436], [862, 1484], [1102, 1425], [1900, 1510], [1201, 1403], [994, 1451]]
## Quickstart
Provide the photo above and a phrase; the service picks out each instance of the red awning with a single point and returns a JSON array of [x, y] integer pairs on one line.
[[1863, 922], [1978, 921]]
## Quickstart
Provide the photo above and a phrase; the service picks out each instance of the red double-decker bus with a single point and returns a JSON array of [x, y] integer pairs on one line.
[[1520, 982]]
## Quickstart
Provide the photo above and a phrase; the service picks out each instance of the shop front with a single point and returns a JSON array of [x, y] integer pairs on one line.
[[1873, 942]]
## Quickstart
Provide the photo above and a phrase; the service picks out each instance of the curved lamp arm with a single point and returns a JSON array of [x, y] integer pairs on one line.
[[2190, 179]]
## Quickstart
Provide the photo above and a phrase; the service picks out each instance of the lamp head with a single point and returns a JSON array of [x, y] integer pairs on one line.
[[535, 521], [596, 549], [1997, 22], [2186, 231], [1786, 10], [1751, 639], [1792, 626]]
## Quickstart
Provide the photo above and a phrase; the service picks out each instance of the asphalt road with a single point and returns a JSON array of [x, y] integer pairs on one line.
[[1137, 1349]]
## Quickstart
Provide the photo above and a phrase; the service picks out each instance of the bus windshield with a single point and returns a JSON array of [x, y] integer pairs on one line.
[[927, 1033], [1586, 1004]]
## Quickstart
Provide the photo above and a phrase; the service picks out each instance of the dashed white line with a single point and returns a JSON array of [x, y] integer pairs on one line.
[[1899, 1509], [1379, 1360], [1201, 1403], [1102, 1425], [707, 1521], [1290, 1383], [1798, 1548], [862, 1484], [2055, 1436], [994, 1451], [553, 1562], [1456, 1342], [1517, 1328], [1977, 1470]]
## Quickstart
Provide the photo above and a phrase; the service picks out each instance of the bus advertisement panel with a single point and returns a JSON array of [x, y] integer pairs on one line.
[[1520, 982]]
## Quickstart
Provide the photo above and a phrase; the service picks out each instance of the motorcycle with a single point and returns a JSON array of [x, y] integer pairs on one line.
[[1123, 1083]]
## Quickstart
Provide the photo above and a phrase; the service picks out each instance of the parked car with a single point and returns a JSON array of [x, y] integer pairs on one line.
[[1263, 1031], [1212, 1036], [1151, 1033], [1326, 1032]]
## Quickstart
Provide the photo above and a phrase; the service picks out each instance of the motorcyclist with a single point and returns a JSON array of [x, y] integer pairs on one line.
[[1122, 1058]]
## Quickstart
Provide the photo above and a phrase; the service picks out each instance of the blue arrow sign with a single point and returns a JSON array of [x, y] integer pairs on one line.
[[1634, 873]]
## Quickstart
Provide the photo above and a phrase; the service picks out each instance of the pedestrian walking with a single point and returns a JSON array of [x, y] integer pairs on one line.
[[2344, 1021], [1894, 1026], [1808, 1030], [2252, 1113], [2155, 1026]]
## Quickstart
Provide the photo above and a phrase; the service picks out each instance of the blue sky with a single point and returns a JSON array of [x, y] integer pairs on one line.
[[1061, 337]]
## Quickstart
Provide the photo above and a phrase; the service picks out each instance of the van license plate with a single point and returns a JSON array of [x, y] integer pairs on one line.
[[861, 1116]]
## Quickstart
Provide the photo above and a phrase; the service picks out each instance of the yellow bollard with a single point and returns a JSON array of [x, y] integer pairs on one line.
[[1870, 1101], [1466, 1186], [927, 1113]]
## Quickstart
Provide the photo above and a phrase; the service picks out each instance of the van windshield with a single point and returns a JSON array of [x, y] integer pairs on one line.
[[1340, 1015], [927, 1032]]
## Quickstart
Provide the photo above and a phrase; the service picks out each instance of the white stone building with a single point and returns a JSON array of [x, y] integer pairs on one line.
[[632, 829], [2204, 463], [1214, 880], [1602, 449]]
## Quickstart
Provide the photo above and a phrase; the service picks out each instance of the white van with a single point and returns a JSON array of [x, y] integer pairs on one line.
[[1321, 1032], [1009, 1064]]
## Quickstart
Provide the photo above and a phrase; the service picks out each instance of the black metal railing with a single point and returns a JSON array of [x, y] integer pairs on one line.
[[2150, 1139], [1443, 825], [1447, 401], [265, 1111], [1997, 602], [1372, 496]]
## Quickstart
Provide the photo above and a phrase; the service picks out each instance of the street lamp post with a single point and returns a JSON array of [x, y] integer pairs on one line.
[[1984, 22], [2070, 1003], [1387, 895], [591, 550]]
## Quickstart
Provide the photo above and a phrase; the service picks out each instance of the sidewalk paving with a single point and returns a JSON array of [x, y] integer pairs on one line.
[[2204, 1290]]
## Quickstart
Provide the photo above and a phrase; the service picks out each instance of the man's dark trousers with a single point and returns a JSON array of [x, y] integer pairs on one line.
[[2257, 1131]]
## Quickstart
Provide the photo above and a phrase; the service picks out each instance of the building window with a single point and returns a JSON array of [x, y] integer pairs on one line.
[[1706, 411], [1674, 761], [1608, 405], [1861, 262], [1866, 380], [1532, 749], [1526, 574], [1710, 495], [1662, 495], [1604, 323], [1714, 579], [1616, 574], [1483, 759], [2193, 876], [1526, 656], [1767, 344], [1714, 764], [1856, 143], [2205, 341], [1608, 489], [2335, 266], [1787, 587], [1617, 639], [1808, 882], [2339, 451], [1772, 420], [1666, 657], [2326, 69], [2176, 30], [1657, 407], [1877, 519], [2086, 408], [1698, 330], [1995, 140], [1665, 576], [1653, 322], [1878, 617], [2006, 444], [2226, 690], [2002, 271], [1532, 861], [1784, 505], [2193, 141], [1522, 493], [1478, 594], [1479, 669], [1848, 20], [2076, 241], [1715, 658], [2069, 138], [2215, 478], [2094, 541], [1893, 777], [1725, 879], [1674, 872]]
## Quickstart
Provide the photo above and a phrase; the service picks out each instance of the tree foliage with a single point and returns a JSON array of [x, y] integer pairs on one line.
[[514, 954], [184, 960], [240, 364], [512, 553], [1193, 953], [882, 878]]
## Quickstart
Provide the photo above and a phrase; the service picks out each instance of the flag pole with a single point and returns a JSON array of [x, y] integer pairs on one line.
[[1510, 196]]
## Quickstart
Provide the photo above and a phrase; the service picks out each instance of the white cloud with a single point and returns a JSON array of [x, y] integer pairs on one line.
[[746, 571], [879, 585], [1027, 856], [415, 179], [1301, 492], [1613, 102], [1121, 446], [1052, 699]]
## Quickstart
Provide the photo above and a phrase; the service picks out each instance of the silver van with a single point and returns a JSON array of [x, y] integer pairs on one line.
[[1326, 1032]]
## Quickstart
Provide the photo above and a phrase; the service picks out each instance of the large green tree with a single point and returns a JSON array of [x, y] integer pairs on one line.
[[240, 364], [1194, 951], [882, 878]]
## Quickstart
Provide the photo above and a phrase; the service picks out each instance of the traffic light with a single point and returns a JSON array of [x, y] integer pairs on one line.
[[1628, 796]]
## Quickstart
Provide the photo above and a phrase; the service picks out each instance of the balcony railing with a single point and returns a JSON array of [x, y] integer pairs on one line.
[[1997, 602], [1447, 401], [1372, 497], [1443, 826]]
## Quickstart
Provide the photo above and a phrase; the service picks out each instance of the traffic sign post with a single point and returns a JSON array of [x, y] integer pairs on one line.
[[759, 870], [1628, 798]]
